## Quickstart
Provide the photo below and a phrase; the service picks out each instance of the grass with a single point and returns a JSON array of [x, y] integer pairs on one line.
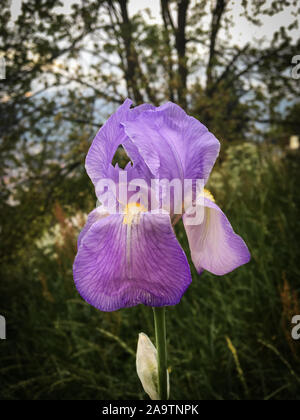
[[229, 338]]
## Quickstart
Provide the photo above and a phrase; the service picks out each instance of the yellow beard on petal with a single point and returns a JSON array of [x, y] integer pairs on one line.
[[132, 212], [208, 194]]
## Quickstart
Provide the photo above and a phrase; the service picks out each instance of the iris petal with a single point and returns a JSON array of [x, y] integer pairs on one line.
[[104, 146], [186, 149], [121, 265], [109, 137], [214, 245], [95, 215]]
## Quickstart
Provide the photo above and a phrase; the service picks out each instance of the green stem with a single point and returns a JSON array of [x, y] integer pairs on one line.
[[160, 336]]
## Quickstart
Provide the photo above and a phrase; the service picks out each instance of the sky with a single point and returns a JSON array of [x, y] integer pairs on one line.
[[241, 33], [243, 30]]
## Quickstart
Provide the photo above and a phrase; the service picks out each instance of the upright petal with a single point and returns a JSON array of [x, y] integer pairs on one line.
[[105, 144], [140, 167], [121, 264], [214, 245], [186, 149], [99, 158]]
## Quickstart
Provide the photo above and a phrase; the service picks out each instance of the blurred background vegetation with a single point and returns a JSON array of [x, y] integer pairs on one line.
[[69, 64]]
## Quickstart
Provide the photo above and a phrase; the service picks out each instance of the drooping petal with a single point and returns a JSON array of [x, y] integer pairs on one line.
[[95, 215], [186, 149], [121, 264], [214, 245]]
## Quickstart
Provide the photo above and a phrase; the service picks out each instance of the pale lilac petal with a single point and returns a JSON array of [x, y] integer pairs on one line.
[[120, 265], [214, 245], [173, 144]]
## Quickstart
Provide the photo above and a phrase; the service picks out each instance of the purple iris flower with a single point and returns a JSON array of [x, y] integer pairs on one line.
[[132, 256]]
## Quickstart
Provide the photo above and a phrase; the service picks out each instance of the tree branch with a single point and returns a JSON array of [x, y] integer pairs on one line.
[[215, 28], [181, 50]]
